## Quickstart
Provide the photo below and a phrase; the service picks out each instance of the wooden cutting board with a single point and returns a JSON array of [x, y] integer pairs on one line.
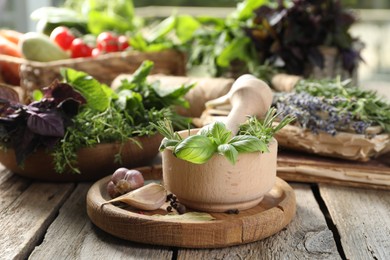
[[304, 167], [271, 215]]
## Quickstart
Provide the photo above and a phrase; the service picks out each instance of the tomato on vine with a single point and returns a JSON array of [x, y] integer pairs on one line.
[[79, 49], [107, 42], [63, 37]]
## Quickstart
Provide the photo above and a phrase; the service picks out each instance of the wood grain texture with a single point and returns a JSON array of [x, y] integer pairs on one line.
[[306, 237], [303, 167], [73, 236], [268, 217], [27, 209], [362, 218]]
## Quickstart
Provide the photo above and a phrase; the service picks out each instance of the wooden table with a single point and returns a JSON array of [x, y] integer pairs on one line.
[[41, 220]]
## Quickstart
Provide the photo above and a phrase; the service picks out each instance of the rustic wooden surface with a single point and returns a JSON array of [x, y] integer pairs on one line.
[[41, 220], [362, 218]]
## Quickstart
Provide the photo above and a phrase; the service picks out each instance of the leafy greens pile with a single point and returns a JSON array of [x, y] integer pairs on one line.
[[82, 112], [262, 37], [331, 105]]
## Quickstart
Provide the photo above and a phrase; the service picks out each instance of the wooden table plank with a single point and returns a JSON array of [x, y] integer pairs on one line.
[[362, 218], [73, 236], [26, 210], [306, 237]]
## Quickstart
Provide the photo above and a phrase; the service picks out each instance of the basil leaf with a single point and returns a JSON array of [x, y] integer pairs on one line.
[[206, 130], [229, 152], [248, 144], [220, 133], [196, 149], [217, 131]]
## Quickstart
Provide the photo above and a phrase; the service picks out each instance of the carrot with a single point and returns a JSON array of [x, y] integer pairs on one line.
[[9, 48], [11, 35]]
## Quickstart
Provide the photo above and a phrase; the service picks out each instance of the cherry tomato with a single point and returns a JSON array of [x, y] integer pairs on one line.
[[107, 42], [123, 43], [62, 36], [80, 49], [96, 52]]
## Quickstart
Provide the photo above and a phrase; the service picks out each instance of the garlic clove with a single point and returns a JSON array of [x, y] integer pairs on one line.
[[148, 197]]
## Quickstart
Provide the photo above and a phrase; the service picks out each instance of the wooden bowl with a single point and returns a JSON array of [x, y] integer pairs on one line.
[[218, 185], [94, 162]]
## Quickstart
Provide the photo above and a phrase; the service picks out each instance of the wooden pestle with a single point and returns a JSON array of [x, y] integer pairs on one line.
[[248, 96]]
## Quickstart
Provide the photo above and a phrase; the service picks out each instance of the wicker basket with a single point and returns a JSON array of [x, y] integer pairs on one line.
[[35, 75]]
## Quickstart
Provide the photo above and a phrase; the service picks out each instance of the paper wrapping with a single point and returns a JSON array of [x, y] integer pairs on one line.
[[343, 145]]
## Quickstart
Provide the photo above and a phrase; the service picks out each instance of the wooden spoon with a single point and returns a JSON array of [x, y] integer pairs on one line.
[[249, 96], [149, 197]]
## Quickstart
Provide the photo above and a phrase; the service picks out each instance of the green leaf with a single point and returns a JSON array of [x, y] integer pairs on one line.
[[229, 152], [129, 100], [138, 42], [248, 144], [98, 95], [37, 95], [186, 26], [99, 22], [235, 50], [173, 95], [140, 75], [196, 149], [220, 133], [245, 9], [162, 29]]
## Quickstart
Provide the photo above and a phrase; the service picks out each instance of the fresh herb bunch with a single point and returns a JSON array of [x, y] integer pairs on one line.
[[125, 113], [43, 123], [221, 46], [333, 105], [82, 112], [292, 33], [215, 138]]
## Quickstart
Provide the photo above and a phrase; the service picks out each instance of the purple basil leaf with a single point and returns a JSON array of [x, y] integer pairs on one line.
[[46, 124], [70, 107], [23, 143], [49, 141], [61, 91]]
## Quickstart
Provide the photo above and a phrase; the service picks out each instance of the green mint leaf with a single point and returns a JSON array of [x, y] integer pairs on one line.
[[196, 149], [229, 152], [248, 144], [98, 95]]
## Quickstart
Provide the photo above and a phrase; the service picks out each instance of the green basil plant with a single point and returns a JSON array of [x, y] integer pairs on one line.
[[253, 136]]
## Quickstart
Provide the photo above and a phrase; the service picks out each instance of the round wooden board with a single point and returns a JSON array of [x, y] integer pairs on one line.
[[267, 218]]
